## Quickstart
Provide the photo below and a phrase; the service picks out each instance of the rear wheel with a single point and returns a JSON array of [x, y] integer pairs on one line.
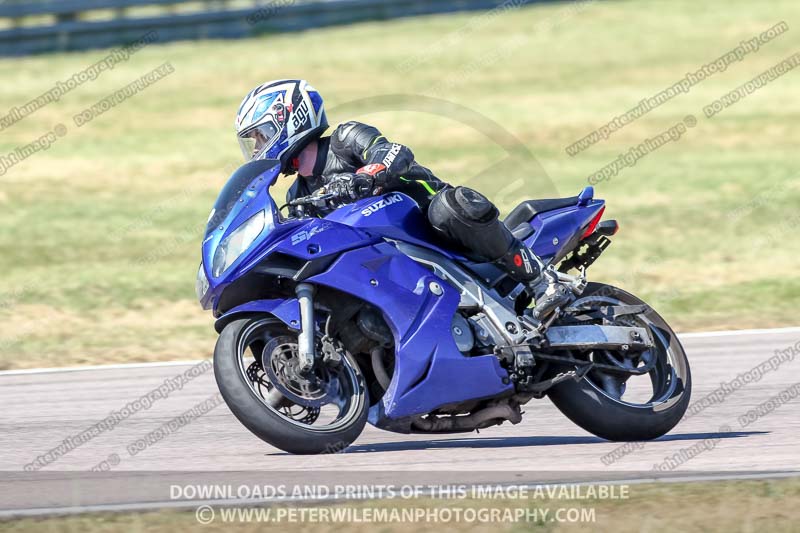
[[629, 408], [255, 365]]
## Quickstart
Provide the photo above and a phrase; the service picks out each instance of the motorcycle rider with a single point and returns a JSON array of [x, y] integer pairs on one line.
[[285, 120]]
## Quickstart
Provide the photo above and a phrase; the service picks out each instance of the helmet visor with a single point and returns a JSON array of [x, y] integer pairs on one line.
[[255, 141]]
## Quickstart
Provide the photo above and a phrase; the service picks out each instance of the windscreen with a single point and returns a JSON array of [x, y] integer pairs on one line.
[[233, 190]]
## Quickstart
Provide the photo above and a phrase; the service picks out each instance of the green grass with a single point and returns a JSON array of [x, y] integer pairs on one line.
[[101, 232], [735, 506]]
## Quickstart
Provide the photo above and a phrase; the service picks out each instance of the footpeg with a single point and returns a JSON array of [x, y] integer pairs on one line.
[[557, 295]]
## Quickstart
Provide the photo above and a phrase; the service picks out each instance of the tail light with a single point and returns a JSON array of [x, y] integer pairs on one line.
[[593, 224]]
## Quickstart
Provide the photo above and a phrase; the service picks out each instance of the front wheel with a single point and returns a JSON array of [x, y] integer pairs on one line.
[[255, 363], [632, 408]]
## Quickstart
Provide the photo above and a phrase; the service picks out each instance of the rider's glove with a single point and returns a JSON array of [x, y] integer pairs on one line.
[[361, 186], [350, 186]]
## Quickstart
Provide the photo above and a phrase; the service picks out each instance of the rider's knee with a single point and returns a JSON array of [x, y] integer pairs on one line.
[[470, 219], [464, 204]]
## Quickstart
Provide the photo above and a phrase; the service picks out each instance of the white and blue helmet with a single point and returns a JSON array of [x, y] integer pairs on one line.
[[279, 118]]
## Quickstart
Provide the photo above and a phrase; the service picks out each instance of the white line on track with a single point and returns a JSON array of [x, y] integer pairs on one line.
[[695, 335], [97, 367], [737, 332]]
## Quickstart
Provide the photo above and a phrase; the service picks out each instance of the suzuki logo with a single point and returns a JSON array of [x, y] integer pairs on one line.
[[380, 204]]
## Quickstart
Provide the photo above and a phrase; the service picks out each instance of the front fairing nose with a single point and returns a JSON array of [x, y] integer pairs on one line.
[[242, 199]]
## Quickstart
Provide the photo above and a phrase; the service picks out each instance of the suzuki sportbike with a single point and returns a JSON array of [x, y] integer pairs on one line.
[[363, 315]]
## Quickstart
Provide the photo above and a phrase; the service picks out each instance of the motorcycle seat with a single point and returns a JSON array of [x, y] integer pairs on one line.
[[525, 211]]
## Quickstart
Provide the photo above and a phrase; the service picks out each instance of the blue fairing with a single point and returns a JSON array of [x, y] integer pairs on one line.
[[357, 239], [555, 232], [426, 356], [393, 216]]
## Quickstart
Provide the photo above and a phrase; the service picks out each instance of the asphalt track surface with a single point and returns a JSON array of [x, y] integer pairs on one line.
[[39, 409]]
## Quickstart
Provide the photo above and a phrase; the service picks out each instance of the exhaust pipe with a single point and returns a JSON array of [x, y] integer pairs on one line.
[[476, 420]]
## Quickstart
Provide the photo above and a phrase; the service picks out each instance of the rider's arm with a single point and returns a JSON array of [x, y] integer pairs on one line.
[[387, 162]]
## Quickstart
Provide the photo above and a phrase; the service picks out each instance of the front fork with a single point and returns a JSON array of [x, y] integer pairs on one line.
[[305, 340]]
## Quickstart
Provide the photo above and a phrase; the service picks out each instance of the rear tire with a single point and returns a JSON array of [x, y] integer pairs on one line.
[[589, 407], [266, 422]]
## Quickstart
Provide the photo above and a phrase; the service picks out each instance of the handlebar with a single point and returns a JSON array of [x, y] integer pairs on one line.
[[339, 196], [311, 199]]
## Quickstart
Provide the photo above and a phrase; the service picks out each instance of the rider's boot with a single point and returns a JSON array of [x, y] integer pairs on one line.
[[525, 267]]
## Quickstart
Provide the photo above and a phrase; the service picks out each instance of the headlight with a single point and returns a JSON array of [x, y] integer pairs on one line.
[[237, 242], [201, 283]]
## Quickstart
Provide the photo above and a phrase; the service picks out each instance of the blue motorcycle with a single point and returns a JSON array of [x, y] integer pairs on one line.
[[327, 323]]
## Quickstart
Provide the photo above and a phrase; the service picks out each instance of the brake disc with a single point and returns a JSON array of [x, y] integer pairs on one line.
[[281, 362]]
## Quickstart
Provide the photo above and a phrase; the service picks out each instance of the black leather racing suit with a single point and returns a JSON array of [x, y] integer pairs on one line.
[[464, 218]]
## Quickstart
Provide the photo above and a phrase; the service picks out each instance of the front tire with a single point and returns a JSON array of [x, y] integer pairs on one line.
[[236, 351], [591, 407]]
